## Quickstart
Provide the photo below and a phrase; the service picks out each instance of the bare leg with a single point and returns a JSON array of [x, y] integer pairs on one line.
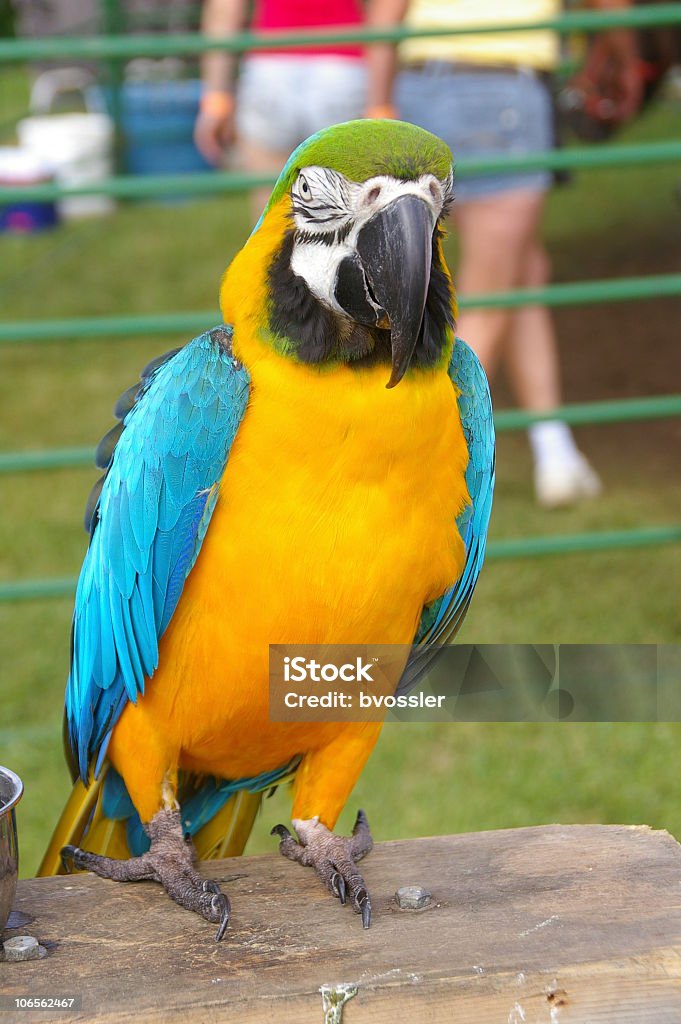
[[531, 352], [501, 250], [496, 235]]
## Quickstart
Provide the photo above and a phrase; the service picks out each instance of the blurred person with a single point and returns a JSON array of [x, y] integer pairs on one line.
[[282, 95], [488, 95], [611, 88]]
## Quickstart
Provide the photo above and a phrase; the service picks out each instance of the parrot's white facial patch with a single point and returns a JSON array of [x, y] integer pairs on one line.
[[329, 211]]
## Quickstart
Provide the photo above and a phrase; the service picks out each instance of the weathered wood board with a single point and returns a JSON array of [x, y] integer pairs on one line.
[[552, 925]]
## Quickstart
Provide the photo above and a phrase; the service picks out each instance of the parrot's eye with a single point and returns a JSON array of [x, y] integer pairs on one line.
[[305, 190]]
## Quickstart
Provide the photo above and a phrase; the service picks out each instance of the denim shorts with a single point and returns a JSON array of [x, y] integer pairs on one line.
[[282, 98], [481, 114]]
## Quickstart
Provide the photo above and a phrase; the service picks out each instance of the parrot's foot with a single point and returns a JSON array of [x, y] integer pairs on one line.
[[170, 861], [333, 857]]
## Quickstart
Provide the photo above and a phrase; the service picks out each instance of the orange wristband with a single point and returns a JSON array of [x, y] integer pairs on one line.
[[217, 104], [382, 111]]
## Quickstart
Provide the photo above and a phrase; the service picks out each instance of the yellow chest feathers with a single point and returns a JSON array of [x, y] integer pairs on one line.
[[336, 517]]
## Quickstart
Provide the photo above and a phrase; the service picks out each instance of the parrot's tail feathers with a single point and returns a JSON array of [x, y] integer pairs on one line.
[[72, 825], [226, 834], [219, 814]]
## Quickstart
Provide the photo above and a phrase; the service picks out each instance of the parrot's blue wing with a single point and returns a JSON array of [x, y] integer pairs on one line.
[[442, 619], [147, 520]]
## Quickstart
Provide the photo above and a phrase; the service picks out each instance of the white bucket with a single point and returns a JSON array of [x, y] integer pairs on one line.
[[78, 147]]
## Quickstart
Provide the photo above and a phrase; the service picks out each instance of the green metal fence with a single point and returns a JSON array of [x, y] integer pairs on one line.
[[117, 48], [124, 47]]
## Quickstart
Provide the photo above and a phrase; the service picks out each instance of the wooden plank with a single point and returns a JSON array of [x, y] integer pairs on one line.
[[552, 925]]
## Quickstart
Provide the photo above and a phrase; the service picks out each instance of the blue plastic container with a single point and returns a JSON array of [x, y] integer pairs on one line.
[[19, 167], [158, 124]]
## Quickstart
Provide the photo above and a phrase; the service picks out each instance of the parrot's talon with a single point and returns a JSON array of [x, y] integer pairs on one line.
[[67, 856], [220, 905], [333, 857], [338, 886], [362, 905], [74, 859], [214, 906], [360, 820]]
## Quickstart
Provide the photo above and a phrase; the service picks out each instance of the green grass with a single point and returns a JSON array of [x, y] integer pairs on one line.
[[14, 92], [423, 778]]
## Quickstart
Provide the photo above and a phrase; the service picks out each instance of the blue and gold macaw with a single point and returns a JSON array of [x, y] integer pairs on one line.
[[317, 470]]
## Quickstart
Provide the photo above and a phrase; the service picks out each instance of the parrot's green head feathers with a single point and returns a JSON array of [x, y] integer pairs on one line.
[[360, 150], [357, 274]]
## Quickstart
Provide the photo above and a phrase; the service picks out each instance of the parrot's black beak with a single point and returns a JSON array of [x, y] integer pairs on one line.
[[395, 248]]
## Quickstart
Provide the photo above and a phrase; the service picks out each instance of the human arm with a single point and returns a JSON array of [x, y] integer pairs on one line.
[[214, 127], [382, 57]]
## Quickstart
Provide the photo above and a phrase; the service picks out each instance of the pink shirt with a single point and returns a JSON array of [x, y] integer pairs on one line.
[[283, 15]]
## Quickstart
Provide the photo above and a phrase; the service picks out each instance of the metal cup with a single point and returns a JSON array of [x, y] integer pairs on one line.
[[11, 789]]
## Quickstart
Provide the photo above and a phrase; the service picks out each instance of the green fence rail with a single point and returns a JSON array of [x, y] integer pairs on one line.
[[586, 413], [25, 590], [520, 547], [573, 543], [124, 47], [623, 410], [217, 182], [568, 294]]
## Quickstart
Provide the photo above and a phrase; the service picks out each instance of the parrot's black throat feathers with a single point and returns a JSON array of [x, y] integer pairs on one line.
[[315, 333]]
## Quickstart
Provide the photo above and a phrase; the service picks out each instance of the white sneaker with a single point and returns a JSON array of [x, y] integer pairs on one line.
[[558, 483]]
